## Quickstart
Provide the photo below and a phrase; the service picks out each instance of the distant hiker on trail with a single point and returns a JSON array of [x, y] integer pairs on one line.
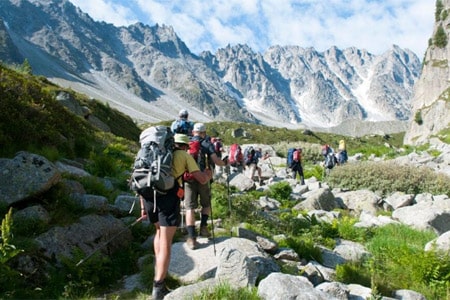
[[182, 124], [251, 158], [218, 148], [294, 162], [201, 148], [236, 158], [166, 215], [342, 156], [330, 158]]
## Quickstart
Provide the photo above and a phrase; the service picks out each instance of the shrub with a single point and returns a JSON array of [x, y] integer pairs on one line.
[[439, 8], [280, 191], [418, 117], [440, 38], [10, 279], [388, 177]]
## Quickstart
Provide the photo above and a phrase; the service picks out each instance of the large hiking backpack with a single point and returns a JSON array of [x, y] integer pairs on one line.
[[196, 151], [297, 155], [153, 163], [183, 126], [342, 157], [249, 154], [294, 155], [330, 161], [290, 157], [235, 157]]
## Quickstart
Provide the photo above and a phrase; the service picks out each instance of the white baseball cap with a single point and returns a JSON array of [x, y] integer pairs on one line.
[[200, 127]]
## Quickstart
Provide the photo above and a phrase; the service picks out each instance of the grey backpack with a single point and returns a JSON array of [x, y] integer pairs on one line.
[[153, 163]]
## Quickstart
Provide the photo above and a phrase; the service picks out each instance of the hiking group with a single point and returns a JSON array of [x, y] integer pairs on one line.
[[331, 158], [174, 164], [175, 167]]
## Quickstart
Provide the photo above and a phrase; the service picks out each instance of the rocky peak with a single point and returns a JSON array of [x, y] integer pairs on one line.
[[148, 72]]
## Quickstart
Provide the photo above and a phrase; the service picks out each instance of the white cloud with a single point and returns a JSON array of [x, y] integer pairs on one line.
[[109, 11], [208, 25]]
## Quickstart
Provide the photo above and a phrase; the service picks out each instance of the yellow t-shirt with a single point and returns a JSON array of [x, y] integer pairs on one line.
[[181, 162]]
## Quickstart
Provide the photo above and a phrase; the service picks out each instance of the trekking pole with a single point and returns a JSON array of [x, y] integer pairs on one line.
[[210, 208], [271, 165], [228, 192], [182, 213], [212, 229], [109, 241]]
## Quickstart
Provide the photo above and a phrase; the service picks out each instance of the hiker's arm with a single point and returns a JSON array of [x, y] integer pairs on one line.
[[143, 210], [217, 161], [202, 177]]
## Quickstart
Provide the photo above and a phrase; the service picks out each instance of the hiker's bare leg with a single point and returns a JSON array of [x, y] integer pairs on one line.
[[259, 173], [190, 217], [252, 171], [206, 211], [156, 245], [162, 246]]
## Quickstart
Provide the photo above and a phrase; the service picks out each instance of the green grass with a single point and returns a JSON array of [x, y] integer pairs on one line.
[[225, 291], [399, 262]]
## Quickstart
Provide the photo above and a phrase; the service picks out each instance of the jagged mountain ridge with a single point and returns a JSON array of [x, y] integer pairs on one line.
[[149, 73]]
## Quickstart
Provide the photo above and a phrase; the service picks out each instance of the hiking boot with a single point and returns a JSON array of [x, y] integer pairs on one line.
[[159, 292], [204, 232], [191, 243]]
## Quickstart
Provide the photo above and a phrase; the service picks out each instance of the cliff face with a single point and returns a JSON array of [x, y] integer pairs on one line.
[[431, 100]]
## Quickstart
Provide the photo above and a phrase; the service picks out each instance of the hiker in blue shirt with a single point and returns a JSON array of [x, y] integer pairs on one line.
[[182, 124], [252, 158]]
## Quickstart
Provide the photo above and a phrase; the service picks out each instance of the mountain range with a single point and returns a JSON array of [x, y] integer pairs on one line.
[[149, 73]]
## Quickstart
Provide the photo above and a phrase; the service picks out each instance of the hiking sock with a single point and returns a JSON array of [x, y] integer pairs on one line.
[[191, 231], [204, 220]]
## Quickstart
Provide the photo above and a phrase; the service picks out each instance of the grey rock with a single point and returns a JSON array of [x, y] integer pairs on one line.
[[236, 269], [89, 234], [279, 286], [25, 175], [408, 295], [319, 199]]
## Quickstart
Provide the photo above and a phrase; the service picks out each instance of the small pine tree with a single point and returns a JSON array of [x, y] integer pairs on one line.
[[439, 8], [26, 67], [444, 15], [418, 118], [440, 38]]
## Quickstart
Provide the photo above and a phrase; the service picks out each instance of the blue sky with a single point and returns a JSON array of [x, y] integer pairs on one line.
[[374, 25]]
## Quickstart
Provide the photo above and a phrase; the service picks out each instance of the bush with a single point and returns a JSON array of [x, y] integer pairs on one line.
[[280, 191], [438, 11], [440, 38], [10, 279], [388, 177], [418, 117]]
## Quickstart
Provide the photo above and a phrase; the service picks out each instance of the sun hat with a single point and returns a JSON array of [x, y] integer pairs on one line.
[[181, 139], [200, 127]]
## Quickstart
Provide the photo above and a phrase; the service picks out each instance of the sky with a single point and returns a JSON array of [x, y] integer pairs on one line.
[[373, 25]]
